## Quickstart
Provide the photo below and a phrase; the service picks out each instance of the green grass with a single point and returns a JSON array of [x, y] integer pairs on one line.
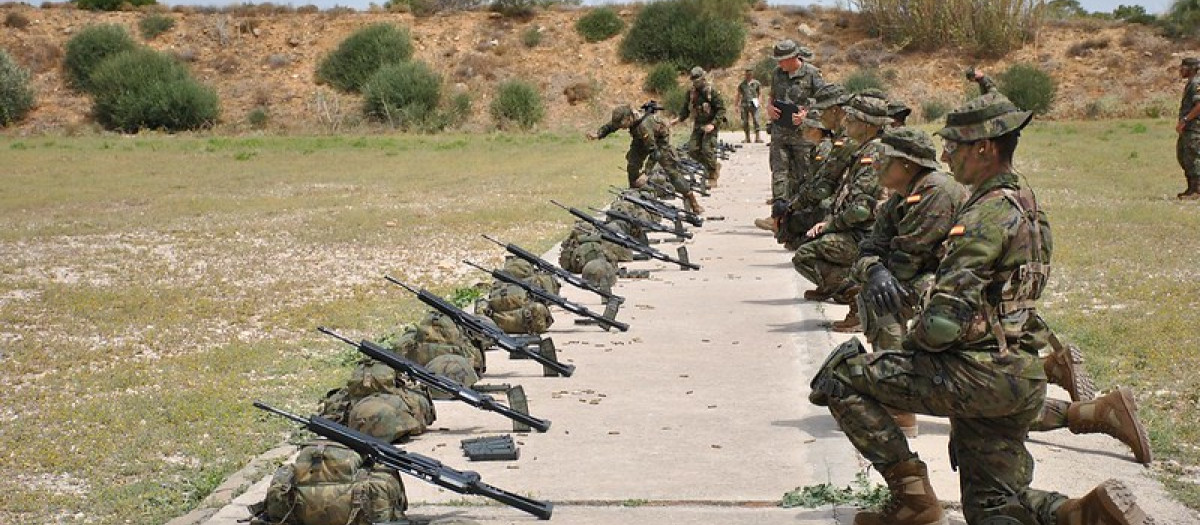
[[151, 287]]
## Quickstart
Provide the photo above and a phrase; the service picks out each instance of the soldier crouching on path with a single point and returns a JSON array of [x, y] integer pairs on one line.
[[706, 108], [650, 143], [956, 361], [1187, 147]]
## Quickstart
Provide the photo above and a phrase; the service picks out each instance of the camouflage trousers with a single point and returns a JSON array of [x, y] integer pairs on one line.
[[637, 158], [749, 114], [789, 159], [1187, 152], [826, 260], [703, 147], [884, 333], [990, 414]]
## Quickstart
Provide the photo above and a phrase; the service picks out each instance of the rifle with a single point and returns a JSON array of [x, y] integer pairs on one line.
[[547, 297], [476, 325], [643, 223], [546, 266], [663, 209], [424, 375], [379, 452], [625, 241]]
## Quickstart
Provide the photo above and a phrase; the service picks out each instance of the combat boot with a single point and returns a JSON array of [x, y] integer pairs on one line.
[[851, 324], [1110, 503], [768, 224], [1064, 367], [1193, 190], [1114, 414], [757, 137], [714, 176], [747, 140], [817, 294], [912, 501], [690, 201]]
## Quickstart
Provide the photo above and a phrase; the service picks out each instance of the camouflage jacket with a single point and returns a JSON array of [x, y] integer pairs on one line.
[[910, 227], [796, 88], [989, 252], [1191, 97], [826, 176], [748, 92], [853, 208], [704, 106], [650, 133]]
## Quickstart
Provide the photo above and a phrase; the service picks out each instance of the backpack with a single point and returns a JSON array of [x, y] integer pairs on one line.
[[369, 378], [600, 273], [533, 318], [437, 335], [392, 416], [455, 368], [328, 485]]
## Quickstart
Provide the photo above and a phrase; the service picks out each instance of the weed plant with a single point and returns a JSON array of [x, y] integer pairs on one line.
[[662, 79], [862, 80], [1029, 87], [531, 37]]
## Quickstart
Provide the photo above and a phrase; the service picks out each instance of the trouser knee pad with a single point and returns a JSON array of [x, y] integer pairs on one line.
[[825, 384]]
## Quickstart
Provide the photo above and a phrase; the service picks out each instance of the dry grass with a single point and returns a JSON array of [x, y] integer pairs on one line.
[[151, 287], [985, 27]]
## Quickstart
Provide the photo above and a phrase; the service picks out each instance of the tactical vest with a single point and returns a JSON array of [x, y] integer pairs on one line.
[[329, 485], [1024, 285]]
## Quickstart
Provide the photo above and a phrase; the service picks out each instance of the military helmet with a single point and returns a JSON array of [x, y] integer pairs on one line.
[[785, 49], [868, 109], [985, 117], [830, 95], [911, 144], [621, 114], [697, 73]]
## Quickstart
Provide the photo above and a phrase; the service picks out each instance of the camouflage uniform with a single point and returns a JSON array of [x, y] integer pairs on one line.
[[826, 260], [749, 92], [650, 140], [814, 196], [790, 153], [908, 232], [704, 106], [1187, 146], [955, 362]]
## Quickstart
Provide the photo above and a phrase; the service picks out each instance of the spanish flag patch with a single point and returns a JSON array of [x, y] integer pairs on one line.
[[866, 161], [913, 199], [818, 157], [958, 230]]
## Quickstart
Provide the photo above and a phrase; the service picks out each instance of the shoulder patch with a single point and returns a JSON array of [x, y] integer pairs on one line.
[[839, 143], [818, 157], [913, 199], [958, 230], [867, 160]]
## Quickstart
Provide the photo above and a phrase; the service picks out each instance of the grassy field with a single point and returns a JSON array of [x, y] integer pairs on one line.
[[150, 287]]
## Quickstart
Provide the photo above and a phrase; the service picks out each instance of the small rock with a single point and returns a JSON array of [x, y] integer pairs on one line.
[[294, 42], [712, 406], [613, 433], [715, 446]]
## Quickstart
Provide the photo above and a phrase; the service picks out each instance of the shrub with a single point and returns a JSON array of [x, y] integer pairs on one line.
[[155, 25], [1028, 87], [1086, 47], [16, 97], [1182, 18], [109, 5], [515, 8], [862, 80], [661, 79], [600, 24], [258, 117], [986, 28], [459, 109], [89, 48], [1134, 14], [707, 33], [674, 100], [764, 69], [16, 20], [1102, 107], [517, 103], [532, 37], [361, 54], [402, 95], [933, 110], [581, 91], [145, 89]]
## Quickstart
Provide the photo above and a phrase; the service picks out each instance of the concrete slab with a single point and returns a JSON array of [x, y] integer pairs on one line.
[[698, 413]]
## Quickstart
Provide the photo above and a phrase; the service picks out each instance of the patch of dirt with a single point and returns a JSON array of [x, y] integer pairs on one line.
[[256, 58]]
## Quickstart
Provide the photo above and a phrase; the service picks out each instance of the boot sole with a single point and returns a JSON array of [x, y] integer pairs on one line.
[[1120, 503], [1142, 454], [1084, 388]]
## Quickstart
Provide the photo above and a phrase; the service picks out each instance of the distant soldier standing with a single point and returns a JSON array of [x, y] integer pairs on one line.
[[650, 143], [1187, 147], [748, 101], [707, 110]]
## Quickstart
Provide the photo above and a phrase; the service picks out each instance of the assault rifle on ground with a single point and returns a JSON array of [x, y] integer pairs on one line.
[[662, 209], [568, 277], [643, 223], [625, 241], [557, 300], [476, 325], [376, 451], [428, 377]]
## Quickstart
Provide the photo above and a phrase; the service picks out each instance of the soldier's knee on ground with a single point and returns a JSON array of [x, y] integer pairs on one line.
[[828, 383]]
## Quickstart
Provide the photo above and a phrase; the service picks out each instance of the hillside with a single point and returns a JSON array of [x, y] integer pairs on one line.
[[265, 57]]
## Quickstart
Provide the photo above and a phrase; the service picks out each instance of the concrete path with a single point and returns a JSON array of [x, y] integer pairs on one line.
[[698, 414]]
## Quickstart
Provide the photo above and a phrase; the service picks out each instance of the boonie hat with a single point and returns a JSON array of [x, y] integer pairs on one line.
[[813, 120], [785, 49], [898, 110], [985, 117], [868, 109], [697, 73], [910, 144], [830, 95]]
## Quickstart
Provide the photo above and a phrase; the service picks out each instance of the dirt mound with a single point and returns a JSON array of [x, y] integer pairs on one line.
[[266, 58]]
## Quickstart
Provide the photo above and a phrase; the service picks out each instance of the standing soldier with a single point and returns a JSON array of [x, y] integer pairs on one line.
[[793, 83], [1187, 147], [956, 361], [707, 111], [748, 101], [650, 143]]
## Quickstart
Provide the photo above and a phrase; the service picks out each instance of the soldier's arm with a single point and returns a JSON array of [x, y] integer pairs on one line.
[[606, 130], [874, 248], [927, 221], [862, 199], [687, 108], [957, 298]]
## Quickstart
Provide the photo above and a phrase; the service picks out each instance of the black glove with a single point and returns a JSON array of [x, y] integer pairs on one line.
[[779, 208], [882, 292]]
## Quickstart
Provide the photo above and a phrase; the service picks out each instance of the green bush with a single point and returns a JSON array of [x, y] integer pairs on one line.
[[89, 48], [1182, 19], [361, 54], [934, 109], [662, 79], [145, 89], [109, 5], [458, 110], [531, 37], [155, 25], [707, 33], [515, 8], [862, 80], [402, 95], [258, 117], [674, 100], [519, 104], [16, 97], [1028, 87], [764, 70], [600, 24]]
